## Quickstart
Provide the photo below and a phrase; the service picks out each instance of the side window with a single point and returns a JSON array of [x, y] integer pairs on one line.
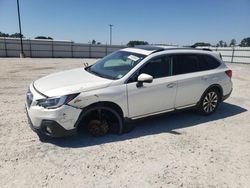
[[207, 62], [212, 63], [158, 67], [185, 63]]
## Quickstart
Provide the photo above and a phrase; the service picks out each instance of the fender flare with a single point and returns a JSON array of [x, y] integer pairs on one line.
[[210, 87]]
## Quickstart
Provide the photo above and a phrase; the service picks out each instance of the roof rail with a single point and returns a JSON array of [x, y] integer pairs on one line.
[[156, 49]]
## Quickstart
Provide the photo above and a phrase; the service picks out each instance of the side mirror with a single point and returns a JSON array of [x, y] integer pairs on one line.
[[144, 78]]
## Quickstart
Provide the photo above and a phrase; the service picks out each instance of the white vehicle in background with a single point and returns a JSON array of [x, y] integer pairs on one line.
[[128, 84]]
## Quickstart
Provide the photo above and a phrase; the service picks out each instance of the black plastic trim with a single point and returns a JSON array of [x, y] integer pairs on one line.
[[226, 96], [57, 129]]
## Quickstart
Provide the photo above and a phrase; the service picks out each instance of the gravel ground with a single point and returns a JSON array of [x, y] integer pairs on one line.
[[177, 150]]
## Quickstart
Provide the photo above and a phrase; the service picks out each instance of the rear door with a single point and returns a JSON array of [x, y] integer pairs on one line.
[[191, 81]]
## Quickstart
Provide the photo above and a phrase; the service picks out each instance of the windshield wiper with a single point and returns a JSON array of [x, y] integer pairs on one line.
[[98, 74]]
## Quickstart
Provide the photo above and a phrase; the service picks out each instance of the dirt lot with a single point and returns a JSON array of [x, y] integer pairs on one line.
[[177, 150]]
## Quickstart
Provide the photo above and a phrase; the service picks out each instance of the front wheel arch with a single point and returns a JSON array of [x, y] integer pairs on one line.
[[107, 106]]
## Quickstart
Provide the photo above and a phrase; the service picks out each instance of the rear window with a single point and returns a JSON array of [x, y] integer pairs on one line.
[[207, 62]]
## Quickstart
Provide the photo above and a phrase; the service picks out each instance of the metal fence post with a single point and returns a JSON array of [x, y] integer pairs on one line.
[[5, 47], [232, 60], [106, 49], [52, 46], [30, 48], [72, 54], [90, 50]]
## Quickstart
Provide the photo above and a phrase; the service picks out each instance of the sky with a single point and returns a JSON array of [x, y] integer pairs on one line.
[[181, 22]]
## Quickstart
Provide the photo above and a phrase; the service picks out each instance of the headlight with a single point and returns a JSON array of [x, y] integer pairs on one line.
[[56, 102]]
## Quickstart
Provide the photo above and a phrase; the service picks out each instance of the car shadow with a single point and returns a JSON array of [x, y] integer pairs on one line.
[[167, 123]]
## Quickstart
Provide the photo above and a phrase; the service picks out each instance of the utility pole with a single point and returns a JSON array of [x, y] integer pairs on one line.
[[110, 31], [20, 30]]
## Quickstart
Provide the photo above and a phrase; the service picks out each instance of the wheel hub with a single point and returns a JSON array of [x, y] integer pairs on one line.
[[98, 128]]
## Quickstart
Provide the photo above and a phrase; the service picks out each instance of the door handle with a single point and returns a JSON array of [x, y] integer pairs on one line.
[[171, 85]]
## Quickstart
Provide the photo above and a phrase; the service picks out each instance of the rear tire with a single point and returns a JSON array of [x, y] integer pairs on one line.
[[209, 102]]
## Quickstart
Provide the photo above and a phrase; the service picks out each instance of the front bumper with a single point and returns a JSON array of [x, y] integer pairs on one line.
[[57, 122], [51, 128]]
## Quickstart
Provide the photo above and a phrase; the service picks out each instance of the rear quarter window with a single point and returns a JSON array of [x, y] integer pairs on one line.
[[208, 62]]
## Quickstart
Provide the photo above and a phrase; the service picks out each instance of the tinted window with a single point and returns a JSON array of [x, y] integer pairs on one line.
[[207, 62], [185, 63], [158, 67]]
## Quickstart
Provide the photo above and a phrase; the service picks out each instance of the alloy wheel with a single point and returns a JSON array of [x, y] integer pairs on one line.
[[210, 102]]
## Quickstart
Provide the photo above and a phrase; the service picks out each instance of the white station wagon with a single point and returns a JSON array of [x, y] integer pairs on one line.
[[128, 84]]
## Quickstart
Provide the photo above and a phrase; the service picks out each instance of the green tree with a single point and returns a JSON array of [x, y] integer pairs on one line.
[[43, 37], [233, 42], [4, 34], [136, 42], [17, 35], [245, 42], [93, 42], [201, 44], [220, 43]]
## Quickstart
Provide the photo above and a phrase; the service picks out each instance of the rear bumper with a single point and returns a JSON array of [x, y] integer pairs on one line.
[[226, 96], [50, 128]]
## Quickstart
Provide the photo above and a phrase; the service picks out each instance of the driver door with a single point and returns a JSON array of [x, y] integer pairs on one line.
[[155, 97]]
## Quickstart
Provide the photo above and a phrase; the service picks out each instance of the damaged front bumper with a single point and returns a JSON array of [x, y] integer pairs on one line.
[[51, 128], [57, 122]]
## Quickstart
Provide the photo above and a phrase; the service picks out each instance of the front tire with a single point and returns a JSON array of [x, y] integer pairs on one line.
[[209, 102], [100, 121]]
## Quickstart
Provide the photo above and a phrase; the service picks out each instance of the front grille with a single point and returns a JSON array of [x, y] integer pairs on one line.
[[29, 98]]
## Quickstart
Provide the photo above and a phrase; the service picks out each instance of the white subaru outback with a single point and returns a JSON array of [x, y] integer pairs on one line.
[[128, 84]]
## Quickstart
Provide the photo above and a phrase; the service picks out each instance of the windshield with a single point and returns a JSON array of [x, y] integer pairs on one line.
[[116, 65]]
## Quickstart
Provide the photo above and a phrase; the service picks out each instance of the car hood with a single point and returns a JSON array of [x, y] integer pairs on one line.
[[69, 82]]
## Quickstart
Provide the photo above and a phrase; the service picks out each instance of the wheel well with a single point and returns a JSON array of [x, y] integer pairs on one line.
[[107, 104], [111, 105], [218, 88]]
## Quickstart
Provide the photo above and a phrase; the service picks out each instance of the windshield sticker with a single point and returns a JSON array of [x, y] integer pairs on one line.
[[119, 76], [133, 58]]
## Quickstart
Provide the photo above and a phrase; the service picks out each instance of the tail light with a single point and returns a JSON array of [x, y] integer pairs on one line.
[[229, 73]]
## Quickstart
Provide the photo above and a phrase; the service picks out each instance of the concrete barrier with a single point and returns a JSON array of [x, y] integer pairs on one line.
[[10, 47]]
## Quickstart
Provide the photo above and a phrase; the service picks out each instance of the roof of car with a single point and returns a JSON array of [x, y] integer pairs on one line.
[[149, 49]]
